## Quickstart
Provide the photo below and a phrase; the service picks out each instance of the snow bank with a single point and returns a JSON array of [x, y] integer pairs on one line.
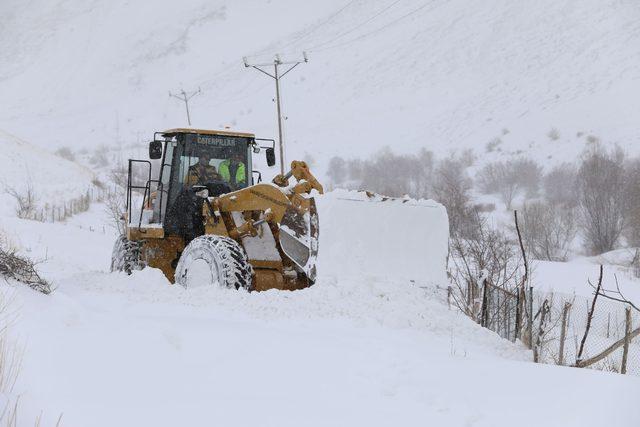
[[384, 238]]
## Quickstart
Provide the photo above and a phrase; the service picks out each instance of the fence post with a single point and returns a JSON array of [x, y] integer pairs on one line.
[[627, 339], [518, 315], [484, 311], [530, 318], [543, 318], [563, 332]]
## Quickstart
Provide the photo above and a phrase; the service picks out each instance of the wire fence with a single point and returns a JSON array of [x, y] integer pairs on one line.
[[562, 339], [553, 326]]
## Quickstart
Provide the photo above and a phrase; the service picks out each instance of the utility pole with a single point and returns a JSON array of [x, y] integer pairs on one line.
[[277, 62], [185, 97]]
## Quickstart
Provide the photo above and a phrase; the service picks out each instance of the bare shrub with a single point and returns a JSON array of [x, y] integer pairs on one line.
[[593, 140], [601, 182], [493, 145], [486, 256], [65, 153], [26, 207], [23, 270], [548, 230], [114, 202], [560, 185], [553, 134]]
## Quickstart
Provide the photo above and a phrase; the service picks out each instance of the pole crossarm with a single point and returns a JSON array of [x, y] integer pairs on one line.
[[184, 97]]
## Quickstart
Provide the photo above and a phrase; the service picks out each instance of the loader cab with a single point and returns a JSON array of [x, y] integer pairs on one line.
[[190, 160]]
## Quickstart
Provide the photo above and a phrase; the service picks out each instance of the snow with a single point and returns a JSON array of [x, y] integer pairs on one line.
[[53, 180], [405, 238], [351, 350], [374, 341]]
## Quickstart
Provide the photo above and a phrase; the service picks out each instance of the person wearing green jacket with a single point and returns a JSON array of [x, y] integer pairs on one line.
[[233, 171]]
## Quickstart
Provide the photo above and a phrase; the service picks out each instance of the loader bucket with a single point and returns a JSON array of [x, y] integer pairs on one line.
[[299, 237]]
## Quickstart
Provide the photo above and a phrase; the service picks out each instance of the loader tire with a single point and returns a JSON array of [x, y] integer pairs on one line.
[[126, 255], [220, 260]]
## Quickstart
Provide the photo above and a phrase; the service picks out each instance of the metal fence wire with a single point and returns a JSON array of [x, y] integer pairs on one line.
[[499, 311], [608, 327], [553, 325]]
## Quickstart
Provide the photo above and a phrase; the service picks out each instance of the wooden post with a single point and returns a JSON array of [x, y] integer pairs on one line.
[[484, 311], [563, 332], [530, 318], [590, 316], [627, 340], [541, 329]]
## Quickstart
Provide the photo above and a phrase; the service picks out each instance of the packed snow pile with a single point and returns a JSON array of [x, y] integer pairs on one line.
[[52, 179], [376, 236]]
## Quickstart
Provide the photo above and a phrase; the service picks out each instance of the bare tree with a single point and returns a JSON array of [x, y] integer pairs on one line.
[[632, 200], [337, 170], [560, 185], [548, 230], [601, 182], [451, 187], [391, 174], [500, 178]]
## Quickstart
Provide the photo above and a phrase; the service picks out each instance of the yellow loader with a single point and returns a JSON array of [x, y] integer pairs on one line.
[[205, 221]]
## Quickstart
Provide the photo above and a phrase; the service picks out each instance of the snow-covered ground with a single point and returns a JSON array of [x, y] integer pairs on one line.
[[366, 345], [110, 349]]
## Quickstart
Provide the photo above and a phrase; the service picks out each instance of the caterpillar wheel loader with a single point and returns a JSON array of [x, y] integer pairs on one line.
[[204, 220]]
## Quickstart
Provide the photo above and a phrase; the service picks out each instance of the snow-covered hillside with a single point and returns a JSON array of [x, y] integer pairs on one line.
[[444, 74], [53, 180]]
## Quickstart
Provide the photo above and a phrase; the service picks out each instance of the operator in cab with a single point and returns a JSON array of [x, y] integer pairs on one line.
[[233, 171], [202, 172]]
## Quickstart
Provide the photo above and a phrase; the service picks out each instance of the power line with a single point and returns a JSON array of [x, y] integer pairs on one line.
[[304, 33], [185, 97], [352, 29], [329, 19], [377, 30]]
